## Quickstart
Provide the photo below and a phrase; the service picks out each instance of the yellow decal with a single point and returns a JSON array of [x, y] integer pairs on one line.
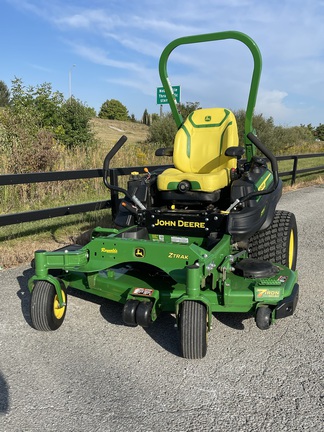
[[263, 184], [265, 292], [139, 252], [109, 251], [180, 223], [177, 256]]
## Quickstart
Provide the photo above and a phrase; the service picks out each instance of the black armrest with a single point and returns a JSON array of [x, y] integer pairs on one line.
[[237, 152], [165, 151]]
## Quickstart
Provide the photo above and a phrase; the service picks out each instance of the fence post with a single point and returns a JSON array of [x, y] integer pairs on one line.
[[293, 177]]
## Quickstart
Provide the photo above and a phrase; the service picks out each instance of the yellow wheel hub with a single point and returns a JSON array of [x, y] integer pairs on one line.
[[59, 311], [291, 252]]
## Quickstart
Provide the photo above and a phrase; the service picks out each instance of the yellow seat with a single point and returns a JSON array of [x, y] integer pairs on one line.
[[199, 151]]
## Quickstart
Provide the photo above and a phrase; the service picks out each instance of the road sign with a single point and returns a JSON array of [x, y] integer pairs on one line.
[[161, 96]]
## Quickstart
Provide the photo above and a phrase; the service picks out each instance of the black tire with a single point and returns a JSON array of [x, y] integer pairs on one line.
[[45, 312], [129, 313], [143, 313], [279, 242], [263, 317], [193, 330]]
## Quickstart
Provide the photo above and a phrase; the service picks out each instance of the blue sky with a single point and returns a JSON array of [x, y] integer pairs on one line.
[[115, 46]]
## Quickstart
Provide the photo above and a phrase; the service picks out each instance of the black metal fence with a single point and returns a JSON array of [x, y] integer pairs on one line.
[[114, 174]]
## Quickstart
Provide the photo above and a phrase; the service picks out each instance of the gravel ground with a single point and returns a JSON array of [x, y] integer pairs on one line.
[[94, 374]]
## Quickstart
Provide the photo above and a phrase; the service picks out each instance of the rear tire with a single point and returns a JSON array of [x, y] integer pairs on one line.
[[193, 329], [45, 311], [279, 242]]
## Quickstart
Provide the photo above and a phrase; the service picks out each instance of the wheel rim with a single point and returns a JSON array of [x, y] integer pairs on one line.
[[291, 252], [59, 311]]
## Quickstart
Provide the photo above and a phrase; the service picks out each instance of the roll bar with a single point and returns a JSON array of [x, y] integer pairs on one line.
[[242, 37]]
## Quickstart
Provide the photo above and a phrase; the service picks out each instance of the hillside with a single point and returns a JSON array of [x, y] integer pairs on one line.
[[109, 131]]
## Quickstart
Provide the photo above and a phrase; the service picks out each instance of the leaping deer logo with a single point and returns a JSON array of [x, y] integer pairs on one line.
[[139, 252]]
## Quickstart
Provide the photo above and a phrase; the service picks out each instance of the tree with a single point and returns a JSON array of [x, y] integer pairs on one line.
[[113, 110], [40, 101], [36, 119], [319, 132], [187, 108], [146, 118], [4, 94]]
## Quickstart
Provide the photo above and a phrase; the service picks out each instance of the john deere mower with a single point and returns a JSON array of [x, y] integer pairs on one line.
[[198, 237]]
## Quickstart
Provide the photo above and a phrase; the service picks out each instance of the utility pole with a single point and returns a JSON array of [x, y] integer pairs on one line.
[[70, 82]]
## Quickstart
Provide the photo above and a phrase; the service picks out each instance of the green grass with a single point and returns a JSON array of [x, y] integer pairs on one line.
[[302, 164]]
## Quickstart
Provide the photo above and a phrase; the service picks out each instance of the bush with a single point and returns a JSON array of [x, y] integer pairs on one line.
[[278, 139], [67, 121], [162, 131], [74, 128], [27, 147]]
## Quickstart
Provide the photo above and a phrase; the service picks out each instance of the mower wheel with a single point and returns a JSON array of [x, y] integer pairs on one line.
[[45, 311], [129, 313], [263, 317], [193, 329], [143, 313], [278, 243]]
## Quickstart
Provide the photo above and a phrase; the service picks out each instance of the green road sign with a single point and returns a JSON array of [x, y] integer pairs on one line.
[[161, 96]]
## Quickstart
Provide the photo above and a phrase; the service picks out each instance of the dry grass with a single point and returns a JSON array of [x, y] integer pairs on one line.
[[109, 131], [317, 180], [18, 242]]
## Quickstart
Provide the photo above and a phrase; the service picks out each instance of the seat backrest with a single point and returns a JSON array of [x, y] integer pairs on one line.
[[201, 142]]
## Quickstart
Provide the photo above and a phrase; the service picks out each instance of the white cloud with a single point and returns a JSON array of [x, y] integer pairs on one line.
[[93, 20], [41, 68], [271, 103], [99, 56]]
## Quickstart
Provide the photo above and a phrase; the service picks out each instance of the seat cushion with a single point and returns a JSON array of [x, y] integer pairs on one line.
[[199, 151], [171, 177]]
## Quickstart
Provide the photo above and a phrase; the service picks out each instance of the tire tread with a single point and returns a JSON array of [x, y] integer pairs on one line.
[[193, 330]]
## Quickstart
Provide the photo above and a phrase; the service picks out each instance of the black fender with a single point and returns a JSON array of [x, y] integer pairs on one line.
[[244, 223]]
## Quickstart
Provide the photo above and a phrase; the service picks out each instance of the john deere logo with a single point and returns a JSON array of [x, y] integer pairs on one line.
[[207, 118], [139, 252]]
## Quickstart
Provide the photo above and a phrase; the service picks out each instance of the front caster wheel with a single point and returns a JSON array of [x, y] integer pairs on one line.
[[193, 329], [129, 313], [143, 314], [45, 311], [263, 317]]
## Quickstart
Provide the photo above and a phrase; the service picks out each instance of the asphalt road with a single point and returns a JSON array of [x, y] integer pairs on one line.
[[94, 374]]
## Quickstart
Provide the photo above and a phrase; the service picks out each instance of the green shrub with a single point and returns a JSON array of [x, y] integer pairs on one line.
[[74, 128], [162, 131]]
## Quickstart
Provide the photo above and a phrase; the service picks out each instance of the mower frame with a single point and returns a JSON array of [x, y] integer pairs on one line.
[[191, 263]]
